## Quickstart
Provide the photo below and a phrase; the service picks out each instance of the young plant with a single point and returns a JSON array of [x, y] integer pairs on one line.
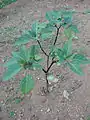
[[59, 24]]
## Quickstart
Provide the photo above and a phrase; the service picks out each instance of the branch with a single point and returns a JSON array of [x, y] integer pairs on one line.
[[51, 65], [44, 70], [42, 48], [57, 35]]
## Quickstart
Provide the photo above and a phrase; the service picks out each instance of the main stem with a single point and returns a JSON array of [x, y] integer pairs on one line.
[[49, 66], [47, 83]]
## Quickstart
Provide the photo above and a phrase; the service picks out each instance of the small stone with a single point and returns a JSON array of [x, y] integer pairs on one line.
[[2, 102], [41, 110], [55, 80], [81, 119], [66, 94], [48, 110], [51, 88], [34, 117]]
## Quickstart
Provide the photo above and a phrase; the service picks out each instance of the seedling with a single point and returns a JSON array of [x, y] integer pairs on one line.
[[58, 25]]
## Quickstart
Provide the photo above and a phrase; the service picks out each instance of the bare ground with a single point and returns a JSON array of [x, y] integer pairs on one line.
[[14, 19]]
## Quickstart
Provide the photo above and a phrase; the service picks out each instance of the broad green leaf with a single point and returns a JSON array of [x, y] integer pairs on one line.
[[67, 48], [67, 20], [35, 30], [26, 55], [12, 114], [53, 50], [68, 33], [47, 32], [10, 62], [60, 55], [23, 52], [18, 100], [45, 36], [38, 58], [27, 84], [67, 13], [25, 38], [41, 26], [33, 51], [36, 66], [53, 16], [81, 59], [74, 28], [4, 3], [12, 71], [75, 67], [17, 56]]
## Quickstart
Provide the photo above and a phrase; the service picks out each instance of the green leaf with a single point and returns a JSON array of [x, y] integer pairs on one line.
[[26, 84], [41, 26], [10, 62], [74, 28], [81, 59], [45, 36], [36, 66], [12, 114], [53, 51], [67, 20], [18, 100], [38, 58], [67, 13], [24, 53], [11, 71], [33, 51], [68, 33], [67, 48], [60, 55], [17, 56], [75, 67], [53, 16], [4, 3], [23, 39], [47, 32], [35, 30]]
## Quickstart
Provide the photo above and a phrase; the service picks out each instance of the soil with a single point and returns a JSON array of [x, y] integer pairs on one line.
[[14, 19]]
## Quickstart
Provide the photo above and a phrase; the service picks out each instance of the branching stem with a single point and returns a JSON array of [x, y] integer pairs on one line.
[[42, 48], [58, 28], [48, 56]]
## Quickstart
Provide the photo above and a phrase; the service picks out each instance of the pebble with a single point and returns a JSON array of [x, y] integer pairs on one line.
[[41, 110], [51, 88], [81, 119], [48, 110], [2, 102], [66, 94]]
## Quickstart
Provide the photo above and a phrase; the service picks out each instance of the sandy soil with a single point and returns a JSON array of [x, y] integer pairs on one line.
[[16, 18]]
